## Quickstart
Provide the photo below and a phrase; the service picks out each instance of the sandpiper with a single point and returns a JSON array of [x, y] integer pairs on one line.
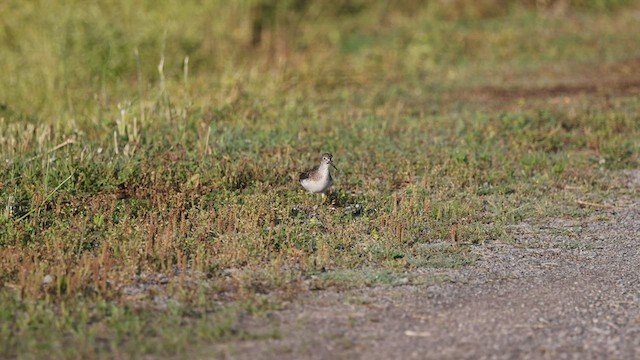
[[318, 179]]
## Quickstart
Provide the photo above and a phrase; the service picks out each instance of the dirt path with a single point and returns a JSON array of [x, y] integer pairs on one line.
[[569, 289]]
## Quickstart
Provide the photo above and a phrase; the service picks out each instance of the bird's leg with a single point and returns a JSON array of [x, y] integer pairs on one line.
[[316, 202]]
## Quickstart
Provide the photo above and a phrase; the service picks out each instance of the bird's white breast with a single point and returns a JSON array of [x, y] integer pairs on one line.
[[317, 186]]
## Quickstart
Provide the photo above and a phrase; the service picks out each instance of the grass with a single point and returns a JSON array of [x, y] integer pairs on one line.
[[149, 155]]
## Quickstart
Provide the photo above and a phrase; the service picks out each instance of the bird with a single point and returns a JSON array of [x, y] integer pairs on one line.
[[318, 179]]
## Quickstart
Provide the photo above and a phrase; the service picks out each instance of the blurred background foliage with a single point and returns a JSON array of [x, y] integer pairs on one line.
[[64, 59]]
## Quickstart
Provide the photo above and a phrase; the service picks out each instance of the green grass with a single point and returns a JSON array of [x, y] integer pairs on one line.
[[160, 203]]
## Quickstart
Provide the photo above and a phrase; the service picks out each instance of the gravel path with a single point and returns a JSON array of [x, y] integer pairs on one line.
[[569, 289]]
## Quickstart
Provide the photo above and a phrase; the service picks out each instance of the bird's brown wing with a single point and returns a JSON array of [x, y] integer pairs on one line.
[[307, 174]]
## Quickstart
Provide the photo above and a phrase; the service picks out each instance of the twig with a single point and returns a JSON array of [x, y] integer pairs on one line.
[[417, 333], [600, 206], [57, 147], [65, 143]]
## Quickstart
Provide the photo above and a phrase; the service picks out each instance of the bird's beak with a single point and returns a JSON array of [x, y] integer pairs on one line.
[[334, 166]]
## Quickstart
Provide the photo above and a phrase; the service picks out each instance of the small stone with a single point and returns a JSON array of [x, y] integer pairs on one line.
[[48, 279]]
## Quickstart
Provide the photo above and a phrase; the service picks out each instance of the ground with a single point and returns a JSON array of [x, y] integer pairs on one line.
[[566, 289]]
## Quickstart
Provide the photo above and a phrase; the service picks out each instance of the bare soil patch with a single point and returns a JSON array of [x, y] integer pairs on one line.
[[602, 82]]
